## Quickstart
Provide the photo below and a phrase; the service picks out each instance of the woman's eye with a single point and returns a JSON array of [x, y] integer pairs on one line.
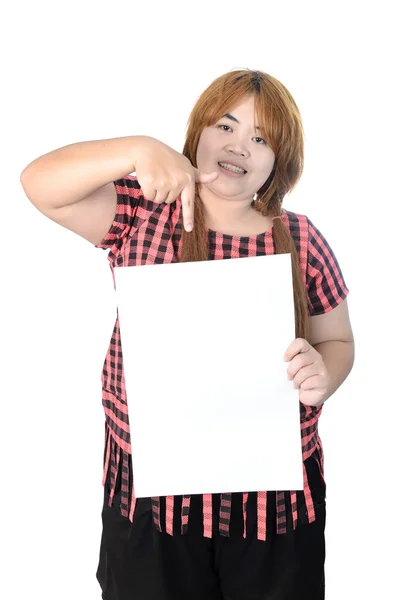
[[257, 138]]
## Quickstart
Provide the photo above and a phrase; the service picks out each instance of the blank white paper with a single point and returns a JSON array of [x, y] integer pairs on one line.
[[211, 409]]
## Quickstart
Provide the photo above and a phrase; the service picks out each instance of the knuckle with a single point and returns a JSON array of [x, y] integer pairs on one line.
[[146, 180], [189, 178]]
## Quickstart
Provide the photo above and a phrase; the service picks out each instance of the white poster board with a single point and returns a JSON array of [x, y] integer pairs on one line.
[[211, 409]]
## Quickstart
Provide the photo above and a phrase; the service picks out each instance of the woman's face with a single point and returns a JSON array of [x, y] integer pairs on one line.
[[233, 139]]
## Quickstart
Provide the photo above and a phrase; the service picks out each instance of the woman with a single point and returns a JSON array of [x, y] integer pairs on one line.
[[221, 198]]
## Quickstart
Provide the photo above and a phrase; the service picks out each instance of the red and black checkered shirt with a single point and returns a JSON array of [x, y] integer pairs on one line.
[[146, 233]]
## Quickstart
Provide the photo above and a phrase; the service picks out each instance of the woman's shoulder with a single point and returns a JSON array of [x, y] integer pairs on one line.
[[297, 222]]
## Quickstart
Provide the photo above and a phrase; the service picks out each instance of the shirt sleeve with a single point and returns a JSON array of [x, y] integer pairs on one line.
[[325, 283], [131, 211]]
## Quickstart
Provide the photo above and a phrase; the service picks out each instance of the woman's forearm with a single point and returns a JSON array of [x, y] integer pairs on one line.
[[339, 359]]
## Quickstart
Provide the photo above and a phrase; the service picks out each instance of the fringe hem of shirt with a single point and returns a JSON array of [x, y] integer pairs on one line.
[[115, 455]]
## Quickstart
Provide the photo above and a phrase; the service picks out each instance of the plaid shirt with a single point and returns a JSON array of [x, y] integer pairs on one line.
[[146, 233]]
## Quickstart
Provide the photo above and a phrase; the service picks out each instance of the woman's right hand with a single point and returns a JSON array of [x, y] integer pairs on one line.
[[163, 174]]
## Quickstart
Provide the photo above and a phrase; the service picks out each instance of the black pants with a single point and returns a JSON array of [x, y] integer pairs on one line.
[[139, 563]]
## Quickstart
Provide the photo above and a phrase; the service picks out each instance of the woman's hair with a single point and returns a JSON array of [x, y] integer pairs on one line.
[[281, 126]]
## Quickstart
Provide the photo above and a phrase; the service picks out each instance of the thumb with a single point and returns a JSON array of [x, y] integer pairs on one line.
[[205, 177]]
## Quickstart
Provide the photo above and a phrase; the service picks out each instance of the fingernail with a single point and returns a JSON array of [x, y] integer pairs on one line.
[[189, 227]]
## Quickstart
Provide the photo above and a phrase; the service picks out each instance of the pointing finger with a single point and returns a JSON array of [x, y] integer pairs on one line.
[[187, 197]]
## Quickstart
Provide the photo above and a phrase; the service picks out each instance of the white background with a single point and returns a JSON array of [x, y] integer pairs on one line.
[[73, 72]]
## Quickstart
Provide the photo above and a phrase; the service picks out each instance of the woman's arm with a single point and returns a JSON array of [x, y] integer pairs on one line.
[[319, 366]]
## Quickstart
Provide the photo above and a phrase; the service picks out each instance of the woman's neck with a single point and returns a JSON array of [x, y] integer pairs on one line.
[[234, 218]]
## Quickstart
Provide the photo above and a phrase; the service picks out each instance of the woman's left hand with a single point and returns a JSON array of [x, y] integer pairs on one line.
[[308, 371]]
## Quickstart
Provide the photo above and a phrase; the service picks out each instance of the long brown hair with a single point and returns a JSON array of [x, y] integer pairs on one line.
[[281, 126]]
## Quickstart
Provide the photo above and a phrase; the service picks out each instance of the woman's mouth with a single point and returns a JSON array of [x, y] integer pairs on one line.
[[231, 170]]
